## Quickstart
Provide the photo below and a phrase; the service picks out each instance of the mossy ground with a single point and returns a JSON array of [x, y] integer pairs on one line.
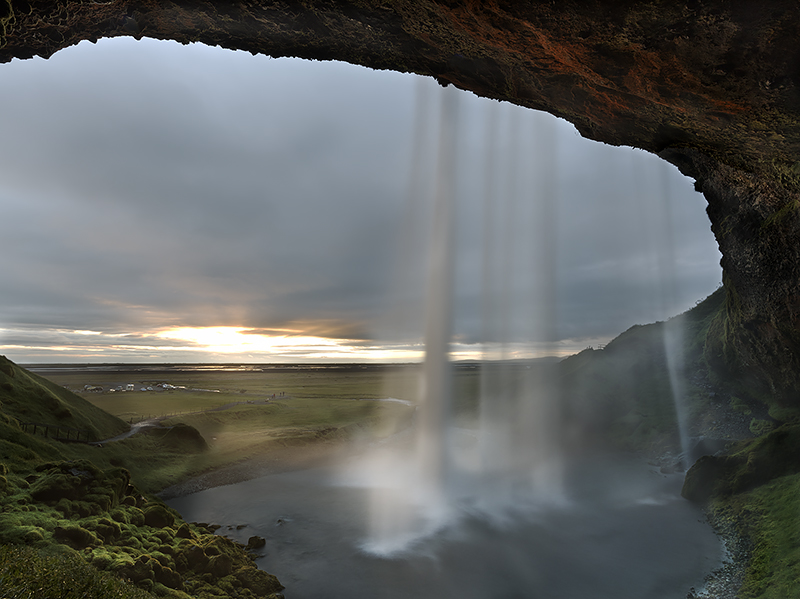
[[768, 516], [27, 573], [78, 510]]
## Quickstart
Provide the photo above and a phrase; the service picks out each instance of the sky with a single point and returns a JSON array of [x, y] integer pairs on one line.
[[168, 203]]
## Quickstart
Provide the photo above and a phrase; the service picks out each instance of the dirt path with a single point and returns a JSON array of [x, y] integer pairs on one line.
[[152, 422]]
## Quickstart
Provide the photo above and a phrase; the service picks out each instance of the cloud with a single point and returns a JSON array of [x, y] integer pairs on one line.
[[148, 185]]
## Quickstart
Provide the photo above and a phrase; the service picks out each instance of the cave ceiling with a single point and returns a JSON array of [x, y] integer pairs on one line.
[[720, 77]]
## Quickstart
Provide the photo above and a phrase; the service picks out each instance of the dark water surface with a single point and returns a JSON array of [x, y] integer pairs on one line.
[[623, 532]]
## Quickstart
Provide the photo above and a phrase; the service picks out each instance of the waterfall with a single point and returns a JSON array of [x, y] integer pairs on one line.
[[509, 456], [433, 449], [658, 222]]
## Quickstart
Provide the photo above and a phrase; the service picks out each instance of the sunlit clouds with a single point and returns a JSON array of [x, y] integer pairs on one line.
[[243, 345], [249, 343], [197, 344]]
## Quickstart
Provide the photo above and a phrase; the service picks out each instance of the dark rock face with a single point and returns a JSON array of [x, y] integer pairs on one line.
[[754, 463], [711, 86], [755, 221]]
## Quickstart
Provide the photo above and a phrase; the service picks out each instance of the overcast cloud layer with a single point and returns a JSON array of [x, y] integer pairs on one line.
[[147, 185]]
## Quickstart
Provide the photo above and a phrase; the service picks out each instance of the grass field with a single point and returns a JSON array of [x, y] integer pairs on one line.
[[241, 414], [203, 389]]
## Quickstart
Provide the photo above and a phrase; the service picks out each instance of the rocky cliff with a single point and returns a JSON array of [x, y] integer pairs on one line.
[[711, 86]]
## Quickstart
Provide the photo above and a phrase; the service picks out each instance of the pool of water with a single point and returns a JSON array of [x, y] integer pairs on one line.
[[621, 531]]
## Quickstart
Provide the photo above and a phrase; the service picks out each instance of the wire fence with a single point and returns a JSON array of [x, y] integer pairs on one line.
[[58, 433]]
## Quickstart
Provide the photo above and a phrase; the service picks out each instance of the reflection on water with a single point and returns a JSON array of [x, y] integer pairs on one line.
[[622, 532]]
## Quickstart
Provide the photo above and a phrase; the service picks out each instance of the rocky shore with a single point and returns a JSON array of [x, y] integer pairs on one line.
[[725, 581]]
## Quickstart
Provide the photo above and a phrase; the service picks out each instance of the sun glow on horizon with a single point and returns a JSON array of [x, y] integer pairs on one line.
[[231, 344], [241, 339], [286, 343]]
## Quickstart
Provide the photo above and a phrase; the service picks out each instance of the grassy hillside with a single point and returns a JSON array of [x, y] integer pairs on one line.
[[28, 397]]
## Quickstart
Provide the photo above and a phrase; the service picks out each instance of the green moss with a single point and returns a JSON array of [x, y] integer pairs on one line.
[[761, 427], [785, 414], [21, 534], [740, 406], [135, 515], [768, 516], [750, 465], [159, 516], [66, 507], [76, 536], [26, 572]]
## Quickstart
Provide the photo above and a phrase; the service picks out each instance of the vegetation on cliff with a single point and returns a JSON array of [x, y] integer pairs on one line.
[[624, 394]]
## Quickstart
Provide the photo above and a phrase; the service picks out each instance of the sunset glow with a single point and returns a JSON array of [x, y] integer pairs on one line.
[[237, 339], [245, 342], [225, 344], [199, 344]]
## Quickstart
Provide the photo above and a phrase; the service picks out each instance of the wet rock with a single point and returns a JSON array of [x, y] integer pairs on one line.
[[255, 542], [259, 582]]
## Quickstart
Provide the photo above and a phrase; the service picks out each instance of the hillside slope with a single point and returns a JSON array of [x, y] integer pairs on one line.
[[28, 397], [625, 393]]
